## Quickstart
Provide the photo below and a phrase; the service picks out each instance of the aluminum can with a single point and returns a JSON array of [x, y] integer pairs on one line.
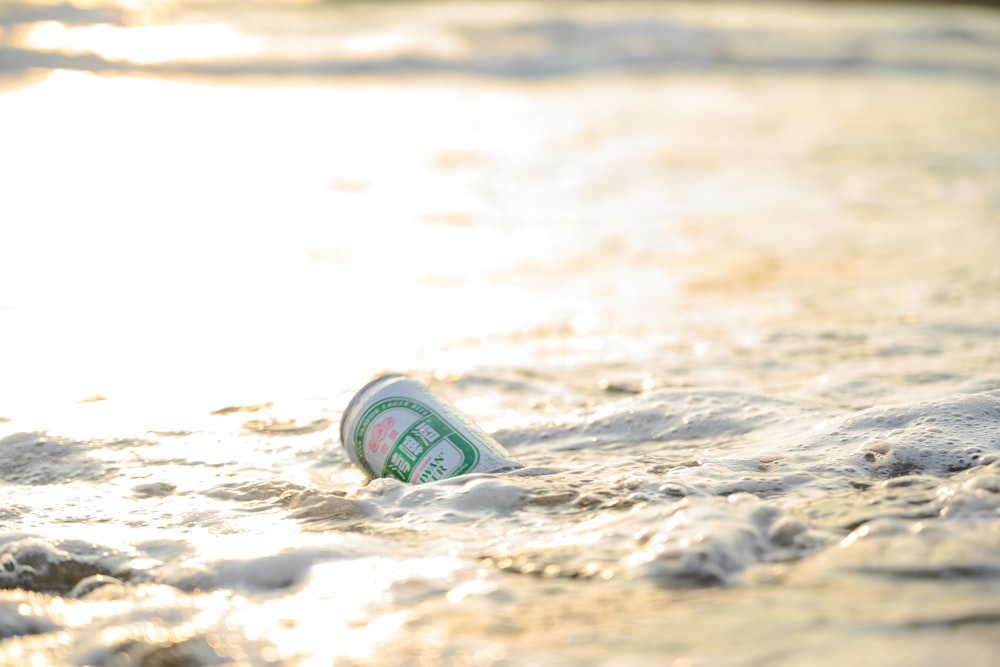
[[396, 427]]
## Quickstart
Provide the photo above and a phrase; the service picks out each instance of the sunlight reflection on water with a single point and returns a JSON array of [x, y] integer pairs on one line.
[[142, 44]]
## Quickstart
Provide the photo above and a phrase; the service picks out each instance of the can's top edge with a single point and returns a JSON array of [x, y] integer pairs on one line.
[[358, 395]]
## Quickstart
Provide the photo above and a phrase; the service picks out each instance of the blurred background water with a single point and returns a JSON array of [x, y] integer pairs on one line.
[[721, 274]]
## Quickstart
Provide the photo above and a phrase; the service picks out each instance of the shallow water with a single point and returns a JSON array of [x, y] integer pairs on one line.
[[723, 277]]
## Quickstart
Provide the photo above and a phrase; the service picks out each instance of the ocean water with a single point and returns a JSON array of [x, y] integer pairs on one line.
[[723, 276]]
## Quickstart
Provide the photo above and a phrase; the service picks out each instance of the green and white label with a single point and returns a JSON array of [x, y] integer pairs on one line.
[[408, 440]]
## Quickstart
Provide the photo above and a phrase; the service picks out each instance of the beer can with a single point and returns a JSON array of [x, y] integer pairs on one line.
[[396, 427]]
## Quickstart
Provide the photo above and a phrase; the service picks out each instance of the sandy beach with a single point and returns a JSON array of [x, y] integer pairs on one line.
[[721, 276]]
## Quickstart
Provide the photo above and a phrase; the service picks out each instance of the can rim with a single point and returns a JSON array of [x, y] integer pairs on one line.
[[353, 403]]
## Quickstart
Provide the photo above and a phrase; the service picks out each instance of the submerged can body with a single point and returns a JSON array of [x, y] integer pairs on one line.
[[396, 427]]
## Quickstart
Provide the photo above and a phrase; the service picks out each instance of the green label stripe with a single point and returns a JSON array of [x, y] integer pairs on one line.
[[483, 439], [420, 438], [371, 414], [438, 468]]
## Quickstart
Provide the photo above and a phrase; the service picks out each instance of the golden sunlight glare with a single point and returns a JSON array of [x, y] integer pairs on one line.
[[143, 44]]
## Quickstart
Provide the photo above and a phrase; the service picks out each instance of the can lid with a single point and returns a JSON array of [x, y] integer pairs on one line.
[[352, 406]]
